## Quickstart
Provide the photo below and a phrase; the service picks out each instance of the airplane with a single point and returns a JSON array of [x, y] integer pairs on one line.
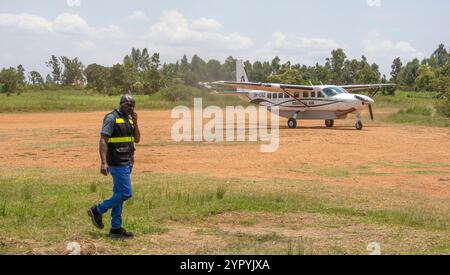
[[299, 102]]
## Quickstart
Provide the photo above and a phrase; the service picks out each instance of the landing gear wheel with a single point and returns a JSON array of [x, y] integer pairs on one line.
[[329, 123], [359, 125], [292, 123]]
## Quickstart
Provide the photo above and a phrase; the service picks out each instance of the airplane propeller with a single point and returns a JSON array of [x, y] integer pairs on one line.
[[367, 102], [371, 112]]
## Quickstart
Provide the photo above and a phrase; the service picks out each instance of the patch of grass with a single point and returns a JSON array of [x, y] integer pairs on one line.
[[220, 193], [75, 100], [419, 116], [427, 172], [248, 222], [416, 108], [93, 187], [2, 208], [55, 145], [50, 207], [413, 165], [336, 172], [405, 99], [295, 248]]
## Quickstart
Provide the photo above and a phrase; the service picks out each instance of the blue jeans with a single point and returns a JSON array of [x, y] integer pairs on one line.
[[122, 192]]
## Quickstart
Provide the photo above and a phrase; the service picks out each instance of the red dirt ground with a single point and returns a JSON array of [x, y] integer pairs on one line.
[[70, 141]]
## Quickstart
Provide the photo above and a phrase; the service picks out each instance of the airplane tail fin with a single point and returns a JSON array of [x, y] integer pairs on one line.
[[241, 74]]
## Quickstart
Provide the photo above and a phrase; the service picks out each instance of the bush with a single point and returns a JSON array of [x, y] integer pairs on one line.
[[114, 91], [422, 111], [137, 88], [389, 91], [443, 107]]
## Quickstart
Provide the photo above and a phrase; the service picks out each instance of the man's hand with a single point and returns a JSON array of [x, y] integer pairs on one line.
[[104, 169], [134, 116]]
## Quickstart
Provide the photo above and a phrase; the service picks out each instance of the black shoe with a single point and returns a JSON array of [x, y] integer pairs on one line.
[[95, 217], [120, 233]]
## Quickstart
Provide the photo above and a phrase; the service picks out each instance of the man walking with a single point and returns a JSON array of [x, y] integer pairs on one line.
[[119, 133]]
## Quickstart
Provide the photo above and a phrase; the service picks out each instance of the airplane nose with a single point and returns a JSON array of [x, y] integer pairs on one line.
[[365, 99]]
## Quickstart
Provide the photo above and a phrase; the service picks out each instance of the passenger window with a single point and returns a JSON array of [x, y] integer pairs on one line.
[[305, 94], [269, 96], [296, 95], [320, 94], [286, 96], [313, 94], [280, 95], [274, 96]]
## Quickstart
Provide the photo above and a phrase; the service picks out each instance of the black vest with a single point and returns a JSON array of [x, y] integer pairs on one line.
[[121, 143]]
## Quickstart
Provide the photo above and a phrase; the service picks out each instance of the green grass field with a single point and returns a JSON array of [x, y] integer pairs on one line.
[[88, 101], [412, 107], [41, 210]]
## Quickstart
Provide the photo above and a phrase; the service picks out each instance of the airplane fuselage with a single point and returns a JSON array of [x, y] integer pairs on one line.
[[323, 102]]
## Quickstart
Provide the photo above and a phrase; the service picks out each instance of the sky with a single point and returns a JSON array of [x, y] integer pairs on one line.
[[302, 31]]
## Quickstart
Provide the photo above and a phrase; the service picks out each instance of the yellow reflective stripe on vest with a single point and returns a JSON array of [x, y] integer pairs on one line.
[[121, 139], [121, 121]]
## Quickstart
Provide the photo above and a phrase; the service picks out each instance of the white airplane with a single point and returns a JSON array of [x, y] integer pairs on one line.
[[298, 102]]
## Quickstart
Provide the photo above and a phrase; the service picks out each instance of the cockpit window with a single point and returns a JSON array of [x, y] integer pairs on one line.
[[332, 91]]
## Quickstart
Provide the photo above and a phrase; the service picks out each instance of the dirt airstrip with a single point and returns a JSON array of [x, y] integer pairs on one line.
[[70, 141]]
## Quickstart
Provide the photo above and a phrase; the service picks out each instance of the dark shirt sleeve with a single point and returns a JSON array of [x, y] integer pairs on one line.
[[108, 125]]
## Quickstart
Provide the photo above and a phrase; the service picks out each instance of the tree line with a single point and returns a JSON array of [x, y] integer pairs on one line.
[[141, 72]]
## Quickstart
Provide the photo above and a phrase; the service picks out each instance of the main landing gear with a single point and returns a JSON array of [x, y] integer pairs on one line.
[[359, 125], [329, 123], [292, 123]]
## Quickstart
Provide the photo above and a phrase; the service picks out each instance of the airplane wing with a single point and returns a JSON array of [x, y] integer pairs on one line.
[[230, 93], [354, 88], [268, 87]]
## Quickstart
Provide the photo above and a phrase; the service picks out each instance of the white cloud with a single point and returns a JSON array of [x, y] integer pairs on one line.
[[383, 51], [70, 24], [173, 28], [378, 47], [304, 50], [283, 42], [137, 16], [25, 22], [206, 24], [32, 39]]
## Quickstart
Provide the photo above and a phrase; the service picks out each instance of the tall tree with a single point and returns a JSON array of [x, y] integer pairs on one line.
[[275, 65], [73, 70], [10, 80], [439, 57], [408, 74], [229, 69], [337, 63], [396, 67], [54, 64], [35, 78], [97, 76], [213, 70], [21, 74]]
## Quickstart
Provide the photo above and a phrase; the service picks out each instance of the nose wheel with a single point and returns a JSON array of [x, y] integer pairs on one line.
[[292, 123], [359, 126], [329, 123]]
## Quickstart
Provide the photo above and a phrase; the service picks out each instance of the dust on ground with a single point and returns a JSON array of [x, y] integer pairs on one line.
[[386, 152]]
